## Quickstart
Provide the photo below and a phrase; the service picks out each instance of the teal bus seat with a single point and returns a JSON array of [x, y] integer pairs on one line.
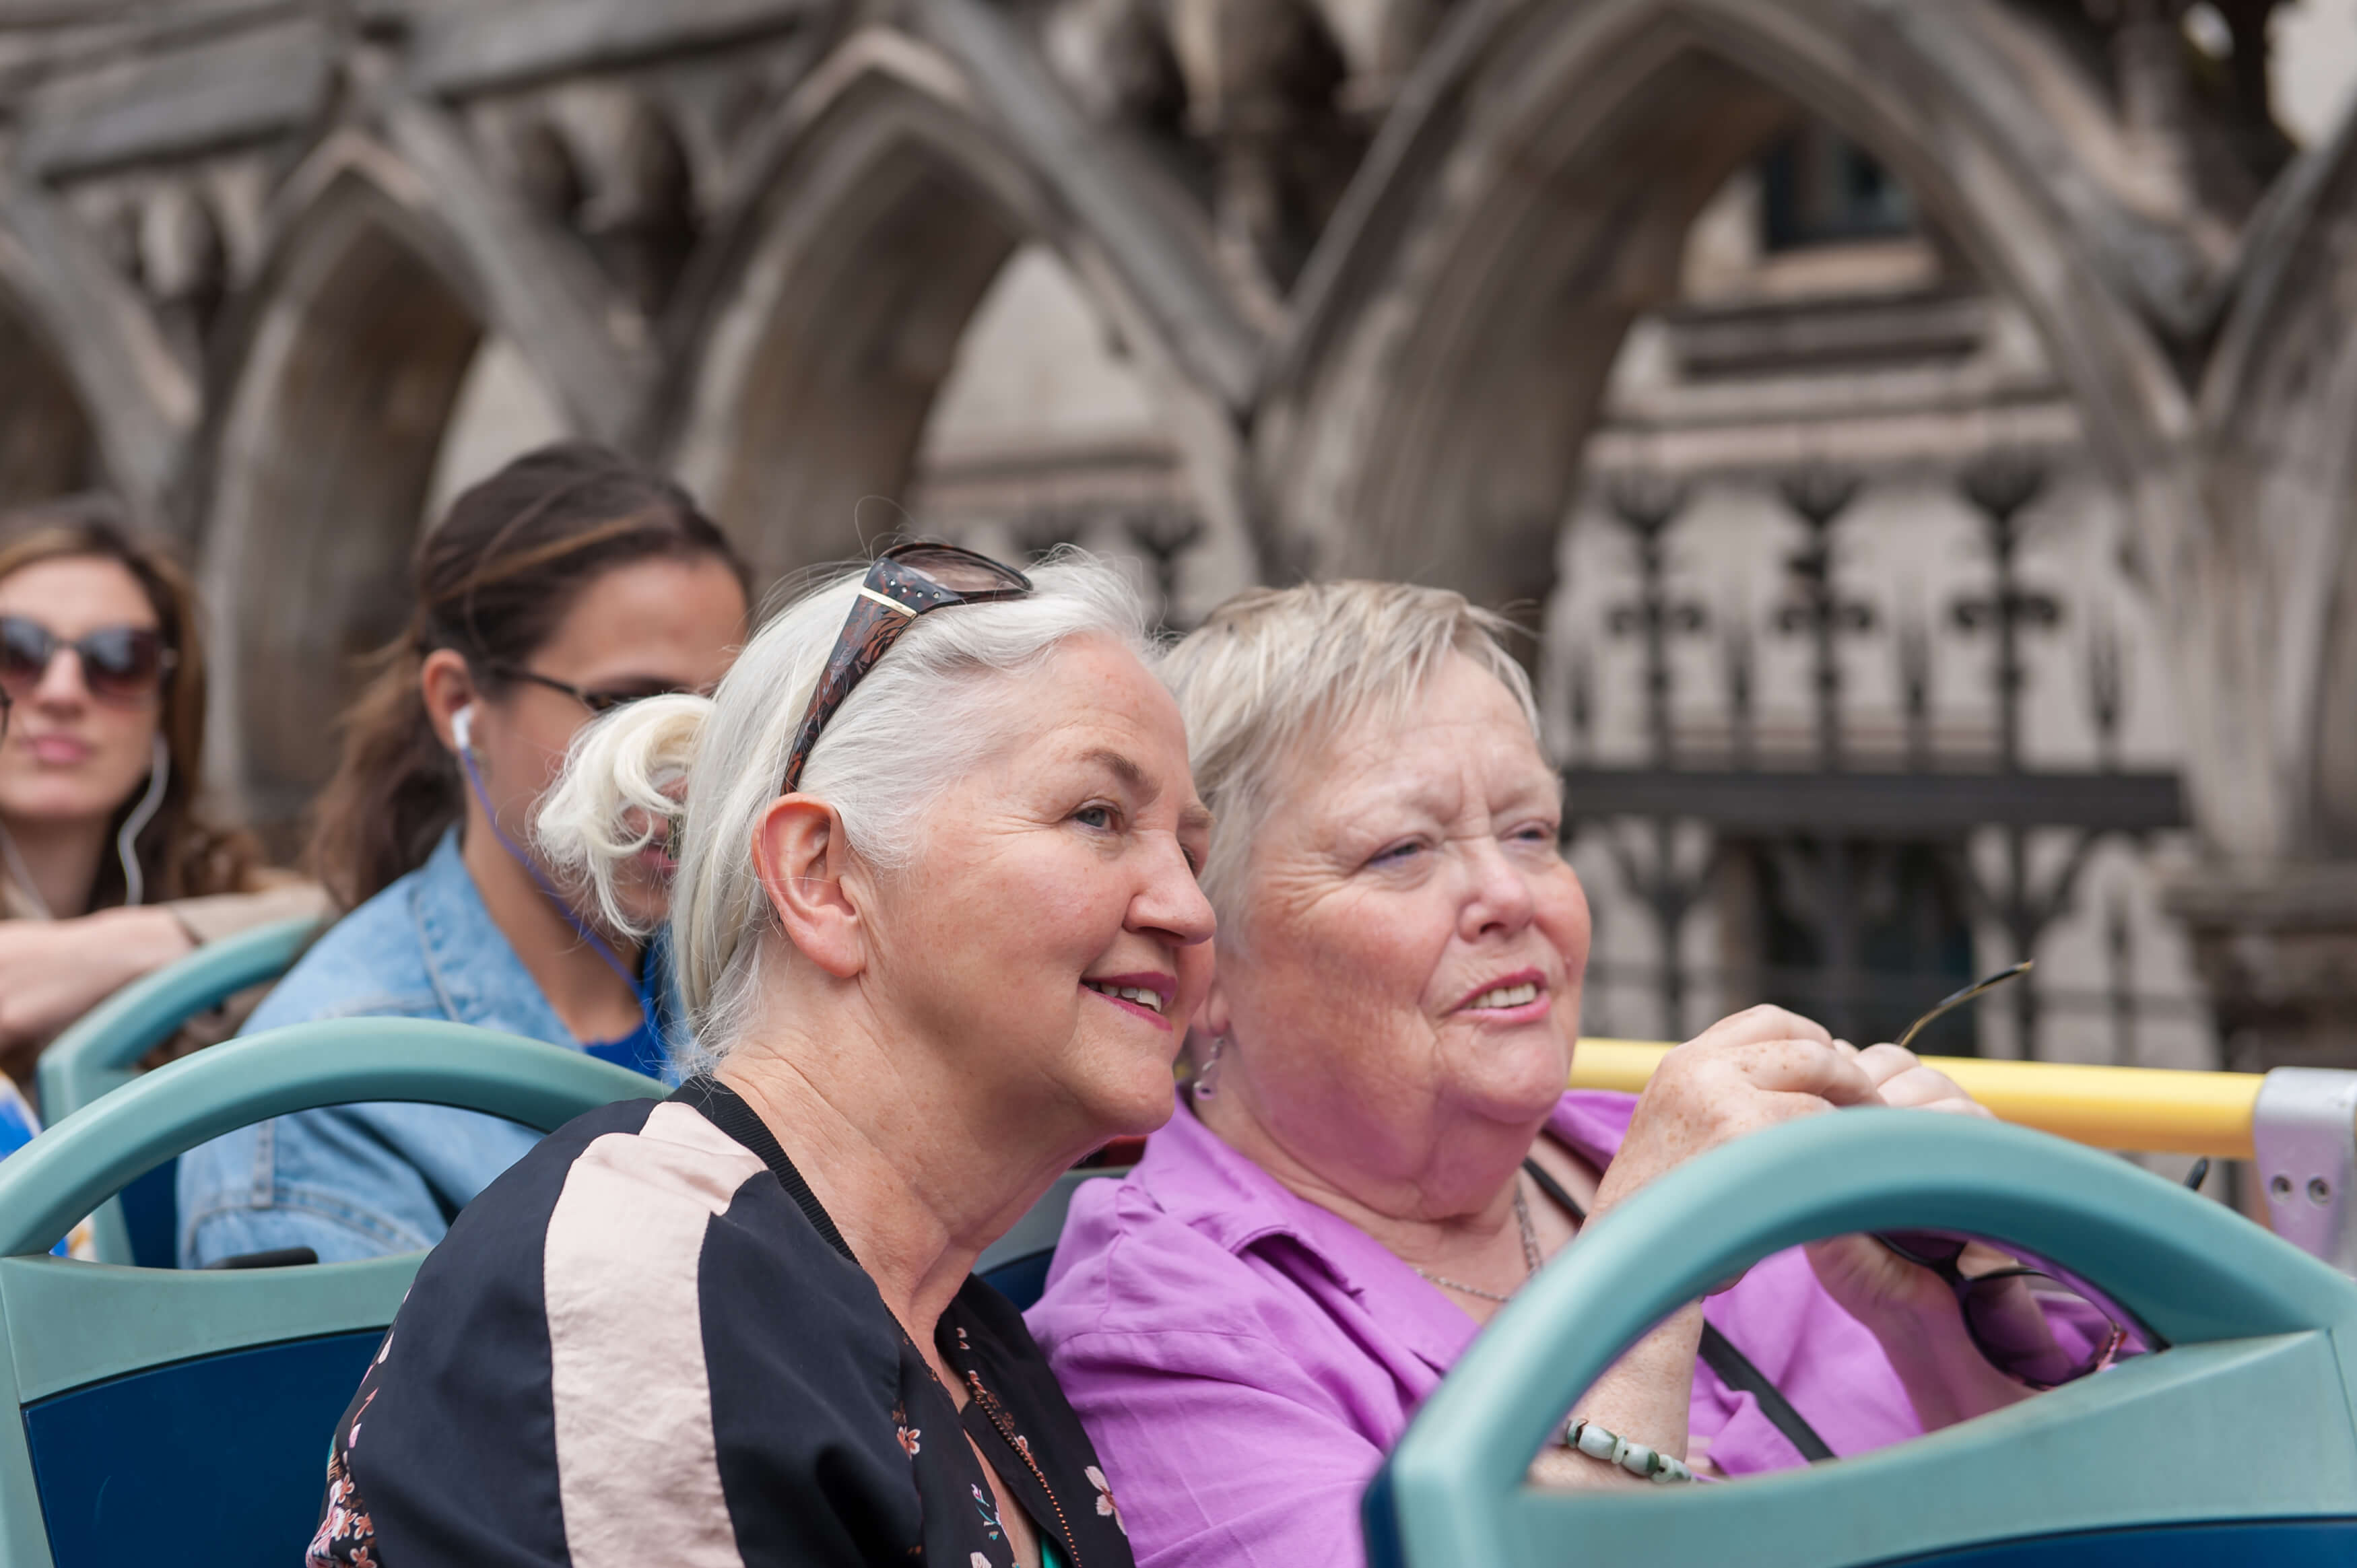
[[101, 1053], [2234, 1443], [190, 1413]]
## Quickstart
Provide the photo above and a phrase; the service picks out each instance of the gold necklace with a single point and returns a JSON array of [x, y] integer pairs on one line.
[[1531, 1259]]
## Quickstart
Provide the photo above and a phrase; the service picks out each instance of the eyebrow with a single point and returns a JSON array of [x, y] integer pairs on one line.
[[1132, 777]]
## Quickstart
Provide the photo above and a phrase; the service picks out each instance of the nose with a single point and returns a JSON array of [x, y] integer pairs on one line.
[[1497, 896], [62, 685], [1171, 905]]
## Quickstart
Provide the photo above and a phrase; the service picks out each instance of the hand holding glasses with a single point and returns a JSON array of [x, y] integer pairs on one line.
[[2034, 1327]]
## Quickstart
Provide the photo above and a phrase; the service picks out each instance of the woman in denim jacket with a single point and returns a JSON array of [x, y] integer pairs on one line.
[[567, 584]]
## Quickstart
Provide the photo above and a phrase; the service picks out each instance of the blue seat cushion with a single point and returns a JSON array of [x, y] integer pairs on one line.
[[151, 1215], [1022, 1281], [2240, 1544], [224, 1457]]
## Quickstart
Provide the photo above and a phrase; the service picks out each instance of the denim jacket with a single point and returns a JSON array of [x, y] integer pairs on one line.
[[360, 1181]]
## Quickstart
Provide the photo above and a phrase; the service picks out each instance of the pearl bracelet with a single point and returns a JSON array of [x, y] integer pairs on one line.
[[1634, 1457]]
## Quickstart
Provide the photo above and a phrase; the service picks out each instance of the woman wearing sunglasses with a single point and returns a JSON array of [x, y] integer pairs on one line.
[[108, 871], [934, 921], [568, 584]]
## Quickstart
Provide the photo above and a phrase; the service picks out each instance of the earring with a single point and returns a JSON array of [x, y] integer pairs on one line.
[[1207, 1076]]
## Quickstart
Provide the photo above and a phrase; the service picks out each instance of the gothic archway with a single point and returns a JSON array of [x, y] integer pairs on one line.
[[826, 314], [1456, 327], [354, 348]]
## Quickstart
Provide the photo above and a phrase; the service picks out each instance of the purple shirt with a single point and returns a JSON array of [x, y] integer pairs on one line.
[[1243, 1358]]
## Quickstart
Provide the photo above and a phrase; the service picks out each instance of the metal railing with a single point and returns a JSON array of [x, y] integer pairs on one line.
[[2149, 1110], [2298, 1125]]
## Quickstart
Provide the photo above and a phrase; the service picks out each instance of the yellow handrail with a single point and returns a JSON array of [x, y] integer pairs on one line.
[[2144, 1109]]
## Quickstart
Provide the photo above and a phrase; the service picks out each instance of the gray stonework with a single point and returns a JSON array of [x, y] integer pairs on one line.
[[1376, 287]]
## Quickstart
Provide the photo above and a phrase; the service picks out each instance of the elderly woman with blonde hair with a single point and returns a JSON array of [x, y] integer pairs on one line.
[[1378, 1150]]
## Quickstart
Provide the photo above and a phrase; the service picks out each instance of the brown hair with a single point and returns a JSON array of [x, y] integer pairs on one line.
[[493, 582], [180, 854]]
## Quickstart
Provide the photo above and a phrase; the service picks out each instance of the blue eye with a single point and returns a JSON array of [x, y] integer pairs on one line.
[[1395, 854], [1095, 816]]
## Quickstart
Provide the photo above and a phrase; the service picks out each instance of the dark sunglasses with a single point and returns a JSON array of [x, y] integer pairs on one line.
[[124, 664], [598, 700], [907, 581], [2038, 1329]]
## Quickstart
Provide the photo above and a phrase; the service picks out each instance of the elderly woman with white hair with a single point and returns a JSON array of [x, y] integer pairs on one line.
[[934, 916], [1378, 1149]]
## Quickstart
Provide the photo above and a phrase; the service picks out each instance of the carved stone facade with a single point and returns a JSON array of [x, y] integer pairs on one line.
[[1373, 286]]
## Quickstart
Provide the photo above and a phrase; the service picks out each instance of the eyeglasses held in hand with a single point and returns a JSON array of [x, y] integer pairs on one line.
[[2035, 1328], [907, 581], [1970, 993], [2027, 1324], [124, 665]]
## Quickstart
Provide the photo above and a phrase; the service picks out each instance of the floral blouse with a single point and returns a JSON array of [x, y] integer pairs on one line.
[[647, 1342]]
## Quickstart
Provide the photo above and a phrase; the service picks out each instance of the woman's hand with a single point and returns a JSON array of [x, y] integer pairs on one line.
[[52, 972], [1745, 1073], [1909, 1309]]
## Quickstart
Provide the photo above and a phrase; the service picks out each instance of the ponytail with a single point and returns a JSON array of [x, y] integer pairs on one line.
[[624, 782], [494, 582], [395, 793]]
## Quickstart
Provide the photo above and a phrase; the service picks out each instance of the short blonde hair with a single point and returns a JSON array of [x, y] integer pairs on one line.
[[1276, 672]]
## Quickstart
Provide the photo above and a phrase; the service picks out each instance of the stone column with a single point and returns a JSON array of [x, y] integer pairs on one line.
[[2276, 945]]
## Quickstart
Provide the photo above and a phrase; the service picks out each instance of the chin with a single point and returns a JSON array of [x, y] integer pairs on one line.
[[1131, 1105]]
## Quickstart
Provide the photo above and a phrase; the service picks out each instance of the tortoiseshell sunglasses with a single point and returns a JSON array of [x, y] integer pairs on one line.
[[907, 581]]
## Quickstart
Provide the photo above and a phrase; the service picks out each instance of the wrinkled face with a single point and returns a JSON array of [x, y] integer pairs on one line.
[[69, 759], [650, 626], [1049, 934], [1412, 940]]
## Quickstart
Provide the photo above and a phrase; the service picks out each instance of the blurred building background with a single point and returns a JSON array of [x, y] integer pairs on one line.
[[1919, 432]]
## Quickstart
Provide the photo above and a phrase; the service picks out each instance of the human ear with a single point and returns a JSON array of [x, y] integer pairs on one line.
[[448, 686], [1212, 1017], [800, 857]]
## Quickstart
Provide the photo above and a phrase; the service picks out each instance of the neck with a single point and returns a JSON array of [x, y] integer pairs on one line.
[[61, 860], [918, 1174], [592, 1001], [1443, 1201]]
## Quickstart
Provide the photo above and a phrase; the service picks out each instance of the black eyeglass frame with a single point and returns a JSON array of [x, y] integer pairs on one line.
[[892, 596], [1907, 1245], [597, 701]]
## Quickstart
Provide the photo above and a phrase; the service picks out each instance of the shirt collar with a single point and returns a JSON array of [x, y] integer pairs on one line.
[[474, 968], [1195, 1177]]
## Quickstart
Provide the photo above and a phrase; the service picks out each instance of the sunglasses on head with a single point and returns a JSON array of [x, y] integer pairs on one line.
[[907, 581], [124, 664]]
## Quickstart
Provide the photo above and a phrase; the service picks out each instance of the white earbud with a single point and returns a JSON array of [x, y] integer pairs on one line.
[[462, 728]]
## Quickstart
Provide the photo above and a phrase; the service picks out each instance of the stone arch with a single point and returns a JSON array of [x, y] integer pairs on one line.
[[1453, 334], [47, 444], [2279, 415], [828, 306], [344, 363], [92, 394]]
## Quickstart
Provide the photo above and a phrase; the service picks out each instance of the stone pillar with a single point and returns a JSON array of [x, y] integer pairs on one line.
[[2276, 945]]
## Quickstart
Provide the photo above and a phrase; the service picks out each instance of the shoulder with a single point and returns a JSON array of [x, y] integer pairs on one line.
[[1127, 1267], [367, 963]]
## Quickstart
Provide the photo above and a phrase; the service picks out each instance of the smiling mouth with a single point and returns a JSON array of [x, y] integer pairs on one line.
[[1507, 995], [1145, 996]]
